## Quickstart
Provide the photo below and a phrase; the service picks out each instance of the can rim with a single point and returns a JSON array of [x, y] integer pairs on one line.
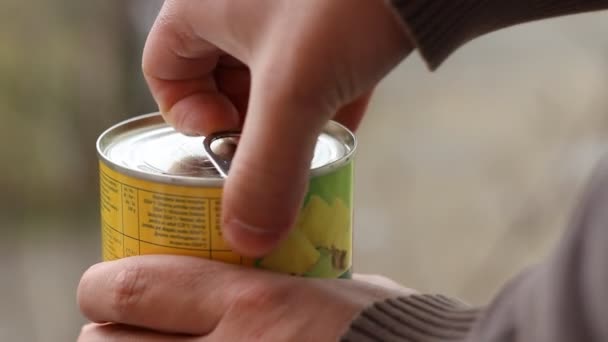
[[335, 129]]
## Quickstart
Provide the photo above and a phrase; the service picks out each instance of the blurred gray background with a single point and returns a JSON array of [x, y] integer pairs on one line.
[[464, 176]]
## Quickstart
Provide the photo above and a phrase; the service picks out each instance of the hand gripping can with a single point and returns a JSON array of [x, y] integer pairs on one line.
[[161, 192]]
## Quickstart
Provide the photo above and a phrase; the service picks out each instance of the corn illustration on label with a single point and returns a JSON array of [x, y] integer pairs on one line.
[[144, 217], [320, 245]]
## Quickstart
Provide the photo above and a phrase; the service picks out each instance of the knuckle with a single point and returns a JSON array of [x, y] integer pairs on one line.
[[172, 32], [127, 289], [169, 12], [174, 25], [183, 43]]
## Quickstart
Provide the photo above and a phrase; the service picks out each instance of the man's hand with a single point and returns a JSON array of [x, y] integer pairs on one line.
[[280, 69], [177, 298]]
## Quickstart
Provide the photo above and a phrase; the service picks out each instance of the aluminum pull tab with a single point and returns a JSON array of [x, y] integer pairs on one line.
[[220, 148]]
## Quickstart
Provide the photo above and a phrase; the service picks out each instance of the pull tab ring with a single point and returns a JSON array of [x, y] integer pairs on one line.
[[220, 148]]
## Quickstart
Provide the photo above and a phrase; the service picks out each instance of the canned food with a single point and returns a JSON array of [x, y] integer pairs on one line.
[[160, 193]]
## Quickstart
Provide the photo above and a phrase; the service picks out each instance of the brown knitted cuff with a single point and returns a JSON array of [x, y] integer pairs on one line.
[[417, 318], [440, 27]]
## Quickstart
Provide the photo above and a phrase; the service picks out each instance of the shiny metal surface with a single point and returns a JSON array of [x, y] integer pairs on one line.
[[220, 149], [146, 147]]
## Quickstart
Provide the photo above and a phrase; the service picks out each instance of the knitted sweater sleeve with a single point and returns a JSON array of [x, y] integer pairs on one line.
[[564, 299], [438, 27]]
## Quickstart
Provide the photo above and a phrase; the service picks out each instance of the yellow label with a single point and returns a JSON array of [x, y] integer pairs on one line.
[[141, 217]]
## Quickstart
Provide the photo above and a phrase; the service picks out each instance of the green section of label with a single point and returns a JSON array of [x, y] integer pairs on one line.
[[338, 184], [320, 245]]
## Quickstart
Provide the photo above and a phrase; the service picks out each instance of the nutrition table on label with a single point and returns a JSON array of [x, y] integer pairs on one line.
[[137, 221]]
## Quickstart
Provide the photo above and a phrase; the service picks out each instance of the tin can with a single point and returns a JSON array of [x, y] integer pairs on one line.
[[161, 194]]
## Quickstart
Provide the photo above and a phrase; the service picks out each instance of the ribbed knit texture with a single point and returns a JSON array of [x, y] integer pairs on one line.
[[417, 318], [564, 299], [438, 27]]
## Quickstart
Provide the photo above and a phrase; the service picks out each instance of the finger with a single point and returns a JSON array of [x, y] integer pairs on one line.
[[124, 333], [351, 114], [194, 107], [234, 81], [254, 244], [172, 294], [178, 66], [270, 170], [176, 294]]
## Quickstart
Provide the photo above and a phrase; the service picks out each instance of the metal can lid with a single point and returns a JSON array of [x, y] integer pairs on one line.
[[148, 148]]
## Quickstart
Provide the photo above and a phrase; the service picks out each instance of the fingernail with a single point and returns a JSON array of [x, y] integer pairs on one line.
[[166, 113], [249, 240], [162, 110], [237, 224], [188, 123]]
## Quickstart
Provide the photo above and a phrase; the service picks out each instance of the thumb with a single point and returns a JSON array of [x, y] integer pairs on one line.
[[270, 170]]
